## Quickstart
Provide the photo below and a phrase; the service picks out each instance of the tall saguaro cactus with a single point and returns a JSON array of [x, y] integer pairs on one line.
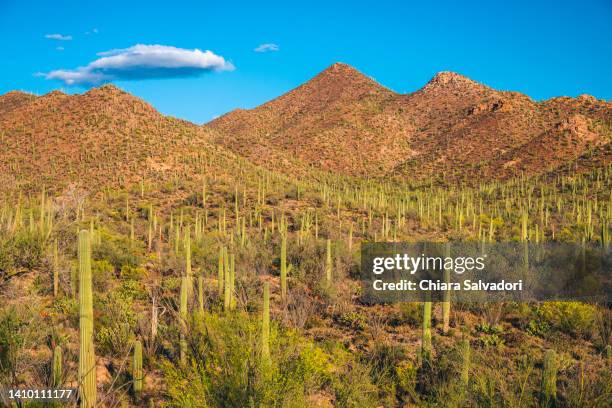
[[464, 350], [221, 272], [328, 263], [201, 294], [55, 269], [137, 373], [426, 334], [87, 358], [446, 303], [265, 323], [285, 268], [183, 320], [548, 397]]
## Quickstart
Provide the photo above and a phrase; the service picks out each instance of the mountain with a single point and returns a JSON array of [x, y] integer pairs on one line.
[[452, 128], [13, 100], [103, 137], [341, 121]]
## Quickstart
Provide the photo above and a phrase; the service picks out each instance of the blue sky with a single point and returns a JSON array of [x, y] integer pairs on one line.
[[546, 49]]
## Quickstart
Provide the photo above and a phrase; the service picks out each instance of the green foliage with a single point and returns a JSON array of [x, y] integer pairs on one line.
[[24, 249], [225, 369], [574, 318], [68, 308], [116, 323], [118, 250], [538, 327], [101, 273], [491, 340], [353, 320], [409, 313], [486, 328], [11, 340], [132, 272]]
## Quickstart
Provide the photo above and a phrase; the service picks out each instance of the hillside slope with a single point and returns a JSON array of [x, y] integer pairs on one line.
[[100, 138], [452, 128], [340, 121]]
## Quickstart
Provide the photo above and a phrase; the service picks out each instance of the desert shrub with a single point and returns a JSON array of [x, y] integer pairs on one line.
[[132, 289], [11, 340], [101, 273], [538, 327], [491, 340], [22, 250], [226, 369], [410, 313], [115, 326], [28, 250], [486, 328], [119, 250], [574, 318], [353, 320], [132, 272], [6, 259], [67, 307]]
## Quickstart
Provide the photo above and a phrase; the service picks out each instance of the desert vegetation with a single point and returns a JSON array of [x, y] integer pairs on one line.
[[240, 289], [147, 261]]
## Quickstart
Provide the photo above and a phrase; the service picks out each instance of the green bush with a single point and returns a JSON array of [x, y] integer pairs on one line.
[[101, 272], [23, 250], [11, 340], [116, 324], [119, 250], [225, 368], [574, 318], [133, 272]]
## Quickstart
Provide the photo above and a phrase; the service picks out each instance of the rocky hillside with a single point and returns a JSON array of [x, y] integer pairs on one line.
[[340, 121], [102, 137], [451, 128]]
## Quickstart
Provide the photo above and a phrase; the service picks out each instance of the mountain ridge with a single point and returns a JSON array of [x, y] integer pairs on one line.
[[343, 121]]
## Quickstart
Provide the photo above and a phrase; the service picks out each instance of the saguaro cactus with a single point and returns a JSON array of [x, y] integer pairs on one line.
[[328, 263], [265, 323], [220, 283], [229, 265], [55, 269], [137, 373], [446, 304], [201, 294], [285, 268], [464, 350], [524, 226], [183, 320], [426, 334], [232, 277], [188, 271], [87, 358], [56, 370], [548, 396]]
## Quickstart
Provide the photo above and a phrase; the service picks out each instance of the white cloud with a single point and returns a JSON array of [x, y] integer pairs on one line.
[[143, 62], [58, 37], [267, 47], [59, 48]]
